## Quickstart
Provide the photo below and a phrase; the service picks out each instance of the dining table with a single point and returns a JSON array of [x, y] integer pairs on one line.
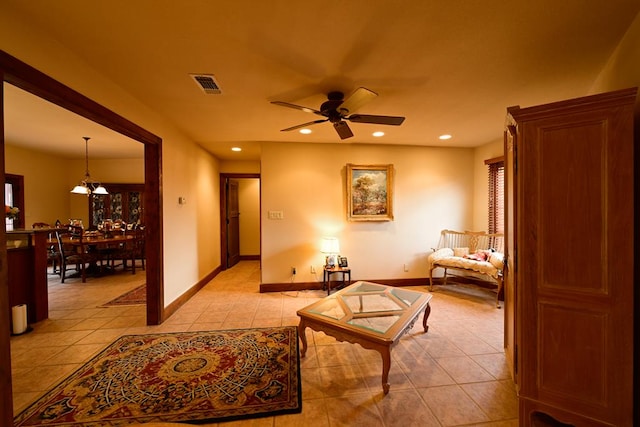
[[100, 241]]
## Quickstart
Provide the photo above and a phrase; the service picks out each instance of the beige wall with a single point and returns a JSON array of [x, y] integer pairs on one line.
[[191, 231], [228, 166], [623, 68], [46, 184], [433, 189]]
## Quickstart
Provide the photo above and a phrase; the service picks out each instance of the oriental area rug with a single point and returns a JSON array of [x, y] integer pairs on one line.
[[191, 377], [137, 296]]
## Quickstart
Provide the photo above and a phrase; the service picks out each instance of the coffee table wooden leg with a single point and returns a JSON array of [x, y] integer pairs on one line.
[[427, 312], [386, 366], [303, 338]]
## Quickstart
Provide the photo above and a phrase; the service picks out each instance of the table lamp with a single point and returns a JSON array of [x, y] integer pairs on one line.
[[331, 247]]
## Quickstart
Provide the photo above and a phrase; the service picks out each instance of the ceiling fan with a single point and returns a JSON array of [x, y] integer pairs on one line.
[[337, 110]]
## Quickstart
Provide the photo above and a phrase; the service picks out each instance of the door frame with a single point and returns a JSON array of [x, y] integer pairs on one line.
[[223, 212], [25, 77]]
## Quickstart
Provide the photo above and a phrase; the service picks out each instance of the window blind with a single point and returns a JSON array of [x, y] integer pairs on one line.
[[496, 194]]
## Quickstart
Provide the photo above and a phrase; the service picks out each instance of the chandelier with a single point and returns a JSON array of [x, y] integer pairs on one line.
[[87, 185]]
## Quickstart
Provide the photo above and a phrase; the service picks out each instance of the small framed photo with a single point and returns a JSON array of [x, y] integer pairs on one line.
[[331, 261], [342, 262]]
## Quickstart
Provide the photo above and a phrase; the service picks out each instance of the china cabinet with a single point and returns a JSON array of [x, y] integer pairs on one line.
[[125, 202], [570, 248]]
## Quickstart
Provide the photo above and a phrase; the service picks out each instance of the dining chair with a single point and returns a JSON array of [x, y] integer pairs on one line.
[[53, 254], [139, 246], [109, 253], [74, 252], [133, 249]]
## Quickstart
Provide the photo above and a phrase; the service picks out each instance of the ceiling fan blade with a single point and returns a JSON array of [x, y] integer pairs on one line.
[[297, 107], [343, 129], [378, 120], [304, 125], [356, 100]]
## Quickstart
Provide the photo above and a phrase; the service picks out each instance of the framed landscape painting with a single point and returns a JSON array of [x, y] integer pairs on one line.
[[369, 192]]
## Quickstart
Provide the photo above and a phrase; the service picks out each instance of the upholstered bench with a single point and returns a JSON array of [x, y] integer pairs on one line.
[[471, 251]]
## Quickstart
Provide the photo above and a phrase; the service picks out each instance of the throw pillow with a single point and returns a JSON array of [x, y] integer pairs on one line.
[[460, 252], [497, 259], [478, 256]]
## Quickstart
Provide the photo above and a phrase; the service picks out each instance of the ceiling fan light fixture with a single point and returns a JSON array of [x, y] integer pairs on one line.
[[305, 131], [236, 149], [445, 137], [378, 134]]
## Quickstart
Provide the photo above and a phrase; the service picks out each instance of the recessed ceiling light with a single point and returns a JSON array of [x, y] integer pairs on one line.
[[378, 134], [445, 136], [236, 149], [305, 131]]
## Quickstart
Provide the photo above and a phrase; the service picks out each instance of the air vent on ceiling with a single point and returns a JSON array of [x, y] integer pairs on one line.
[[207, 83]]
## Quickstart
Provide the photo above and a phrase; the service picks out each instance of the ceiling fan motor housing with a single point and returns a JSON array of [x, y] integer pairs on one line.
[[329, 108]]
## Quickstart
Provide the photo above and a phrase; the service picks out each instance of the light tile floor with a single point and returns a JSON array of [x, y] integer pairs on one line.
[[453, 375]]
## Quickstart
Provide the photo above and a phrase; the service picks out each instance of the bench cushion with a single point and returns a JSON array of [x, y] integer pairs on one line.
[[444, 258]]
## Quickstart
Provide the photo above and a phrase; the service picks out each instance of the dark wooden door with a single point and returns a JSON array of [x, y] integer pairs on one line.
[[574, 258], [233, 224]]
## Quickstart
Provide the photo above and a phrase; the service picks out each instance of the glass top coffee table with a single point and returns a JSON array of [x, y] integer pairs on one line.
[[372, 315]]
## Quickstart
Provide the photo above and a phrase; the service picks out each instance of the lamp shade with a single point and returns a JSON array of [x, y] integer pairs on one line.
[[330, 245], [81, 189], [100, 190]]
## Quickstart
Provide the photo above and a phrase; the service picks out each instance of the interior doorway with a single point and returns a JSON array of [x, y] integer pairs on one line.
[[239, 218]]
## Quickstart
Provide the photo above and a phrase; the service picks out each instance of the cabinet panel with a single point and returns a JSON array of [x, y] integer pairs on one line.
[[573, 158], [573, 247], [562, 329]]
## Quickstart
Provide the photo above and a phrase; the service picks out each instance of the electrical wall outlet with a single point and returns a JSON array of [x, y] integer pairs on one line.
[[313, 270], [293, 271]]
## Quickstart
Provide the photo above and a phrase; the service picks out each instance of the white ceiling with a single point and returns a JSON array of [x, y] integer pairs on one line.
[[447, 66]]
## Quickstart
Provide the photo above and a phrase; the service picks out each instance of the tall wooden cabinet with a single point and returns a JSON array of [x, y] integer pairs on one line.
[[570, 250]]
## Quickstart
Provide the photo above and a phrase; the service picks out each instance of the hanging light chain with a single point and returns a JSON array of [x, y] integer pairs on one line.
[[86, 157]]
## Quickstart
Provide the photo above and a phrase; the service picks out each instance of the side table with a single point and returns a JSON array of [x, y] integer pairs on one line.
[[328, 271]]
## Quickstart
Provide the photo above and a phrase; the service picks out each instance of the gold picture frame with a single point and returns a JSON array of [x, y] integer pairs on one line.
[[369, 192]]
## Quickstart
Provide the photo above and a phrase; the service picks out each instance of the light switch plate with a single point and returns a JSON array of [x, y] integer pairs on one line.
[[276, 215]]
